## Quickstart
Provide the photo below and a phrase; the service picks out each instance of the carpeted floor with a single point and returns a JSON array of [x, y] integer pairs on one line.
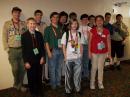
[[116, 83]]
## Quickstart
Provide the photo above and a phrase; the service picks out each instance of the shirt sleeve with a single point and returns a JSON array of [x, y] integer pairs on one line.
[[46, 35], [63, 39], [5, 37], [24, 49]]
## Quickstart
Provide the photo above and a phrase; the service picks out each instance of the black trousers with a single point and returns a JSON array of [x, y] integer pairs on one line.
[[117, 48], [34, 75]]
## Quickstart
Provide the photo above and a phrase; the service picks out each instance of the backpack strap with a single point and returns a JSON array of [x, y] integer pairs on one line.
[[67, 38], [79, 34]]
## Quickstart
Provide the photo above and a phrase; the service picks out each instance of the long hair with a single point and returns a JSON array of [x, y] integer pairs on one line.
[[71, 22]]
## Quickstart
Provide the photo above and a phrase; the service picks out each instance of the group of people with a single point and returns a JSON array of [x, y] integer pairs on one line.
[[71, 49]]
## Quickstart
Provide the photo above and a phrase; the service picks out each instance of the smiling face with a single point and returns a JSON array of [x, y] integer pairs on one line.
[[16, 14], [84, 21], [54, 19], [74, 25], [119, 19], [99, 22], [38, 17], [92, 20], [108, 18], [63, 19], [31, 24]]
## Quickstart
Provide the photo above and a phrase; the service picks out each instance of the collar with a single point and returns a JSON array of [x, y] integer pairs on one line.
[[32, 32]]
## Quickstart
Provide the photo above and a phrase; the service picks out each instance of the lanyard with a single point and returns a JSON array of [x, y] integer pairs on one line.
[[56, 33], [16, 28], [74, 42]]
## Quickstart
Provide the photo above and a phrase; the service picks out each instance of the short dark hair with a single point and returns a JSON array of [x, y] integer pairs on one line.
[[16, 9], [107, 13], [30, 18], [91, 16], [63, 13], [83, 16], [53, 13], [119, 15], [99, 16], [72, 14], [38, 11], [71, 21]]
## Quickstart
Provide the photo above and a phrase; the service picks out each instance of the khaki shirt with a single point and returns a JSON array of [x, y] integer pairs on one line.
[[120, 34], [12, 35], [41, 27]]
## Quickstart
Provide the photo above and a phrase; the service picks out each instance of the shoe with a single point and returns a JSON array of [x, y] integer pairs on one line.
[[23, 89], [53, 87], [112, 67], [118, 67], [15, 87], [67, 95], [80, 93], [100, 85], [92, 86], [47, 81], [32, 95], [59, 86]]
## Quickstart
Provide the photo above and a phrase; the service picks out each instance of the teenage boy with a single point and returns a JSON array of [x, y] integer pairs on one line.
[[85, 30], [34, 57], [52, 38]]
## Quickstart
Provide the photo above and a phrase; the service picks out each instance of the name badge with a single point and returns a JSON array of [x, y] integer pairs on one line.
[[59, 43], [11, 31], [36, 52], [103, 36], [18, 37], [100, 45]]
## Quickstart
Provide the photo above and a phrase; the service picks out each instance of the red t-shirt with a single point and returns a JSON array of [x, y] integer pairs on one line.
[[96, 39]]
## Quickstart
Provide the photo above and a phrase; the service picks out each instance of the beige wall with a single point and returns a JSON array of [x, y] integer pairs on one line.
[[47, 6]]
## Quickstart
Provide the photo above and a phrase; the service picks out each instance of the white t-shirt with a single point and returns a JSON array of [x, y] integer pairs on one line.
[[84, 33], [70, 52]]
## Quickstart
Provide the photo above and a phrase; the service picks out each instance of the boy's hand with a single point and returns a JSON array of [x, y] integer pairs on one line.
[[27, 65], [50, 55], [42, 61], [65, 58]]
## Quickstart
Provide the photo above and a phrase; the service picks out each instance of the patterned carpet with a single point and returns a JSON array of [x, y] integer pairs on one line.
[[116, 83]]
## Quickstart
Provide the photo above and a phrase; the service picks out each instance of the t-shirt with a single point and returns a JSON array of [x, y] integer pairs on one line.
[[50, 38], [99, 43], [84, 33], [70, 51], [109, 27]]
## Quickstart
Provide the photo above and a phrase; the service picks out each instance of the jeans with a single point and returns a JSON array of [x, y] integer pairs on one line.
[[55, 67], [85, 62]]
